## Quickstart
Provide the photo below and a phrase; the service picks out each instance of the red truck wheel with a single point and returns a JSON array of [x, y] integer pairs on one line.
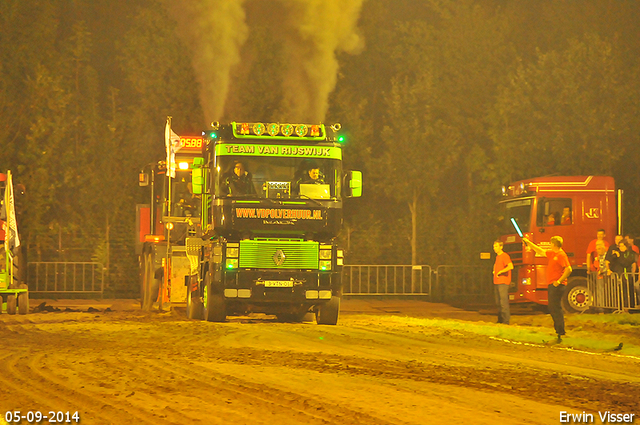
[[577, 297]]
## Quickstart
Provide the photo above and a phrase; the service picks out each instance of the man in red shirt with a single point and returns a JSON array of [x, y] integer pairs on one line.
[[558, 270], [600, 235], [501, 281]]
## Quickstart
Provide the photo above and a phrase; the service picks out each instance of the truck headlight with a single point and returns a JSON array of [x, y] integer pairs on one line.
[[325, 254], [232, 252], [232, 263], [526, 281], [325, 265]]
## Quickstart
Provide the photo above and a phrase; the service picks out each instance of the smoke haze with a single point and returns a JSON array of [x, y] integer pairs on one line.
[[312, 32], [215, 30], [319, 30]]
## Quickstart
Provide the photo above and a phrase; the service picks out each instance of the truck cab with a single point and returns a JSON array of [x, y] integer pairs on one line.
[[274, 210], [573, 207]]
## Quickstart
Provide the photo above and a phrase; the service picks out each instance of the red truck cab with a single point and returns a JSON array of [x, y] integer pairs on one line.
[[573, 207]]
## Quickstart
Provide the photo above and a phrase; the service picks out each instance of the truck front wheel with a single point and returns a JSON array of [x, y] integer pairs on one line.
[[12, 304], [577, 297], [150, 285], [214, 304], [327, 314]]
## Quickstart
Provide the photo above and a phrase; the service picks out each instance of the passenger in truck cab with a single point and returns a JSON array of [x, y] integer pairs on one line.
[[308, 173], [238, 181], [566, 216], [550, 220], [600, 235], [312, 176]]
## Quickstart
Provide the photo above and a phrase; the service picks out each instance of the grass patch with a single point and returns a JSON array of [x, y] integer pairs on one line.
[[579, 338]]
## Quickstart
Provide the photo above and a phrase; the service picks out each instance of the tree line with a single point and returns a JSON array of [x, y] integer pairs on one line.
[[446, 101]]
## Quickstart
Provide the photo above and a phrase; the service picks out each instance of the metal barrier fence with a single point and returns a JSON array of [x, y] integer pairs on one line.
[[619, 292], [386, 280], [463, 282], [65, 278]]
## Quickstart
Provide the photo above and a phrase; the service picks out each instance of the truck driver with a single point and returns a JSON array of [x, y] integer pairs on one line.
[[239, 181]]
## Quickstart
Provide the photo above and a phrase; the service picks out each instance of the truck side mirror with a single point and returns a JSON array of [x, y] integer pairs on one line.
[[353, 184], [143, 179], [197, 176]]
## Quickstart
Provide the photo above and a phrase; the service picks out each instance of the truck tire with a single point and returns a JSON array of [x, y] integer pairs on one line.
[[327, 314], [214, 304], [577, 296], [150, 285], [11, 304], [23, 300], [194, 305]]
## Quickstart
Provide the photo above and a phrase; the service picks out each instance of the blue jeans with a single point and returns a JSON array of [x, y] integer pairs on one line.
[[555, 307], [501, 293]]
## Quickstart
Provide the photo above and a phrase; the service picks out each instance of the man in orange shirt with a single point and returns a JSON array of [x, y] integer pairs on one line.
[[558, 270], [501, 281]]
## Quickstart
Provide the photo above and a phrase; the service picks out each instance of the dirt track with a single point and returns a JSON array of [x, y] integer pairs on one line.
[[125, 365]]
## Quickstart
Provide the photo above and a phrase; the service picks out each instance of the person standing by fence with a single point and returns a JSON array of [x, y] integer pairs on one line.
[[501, 281], [600, 235], [623, 263], [558, 271]]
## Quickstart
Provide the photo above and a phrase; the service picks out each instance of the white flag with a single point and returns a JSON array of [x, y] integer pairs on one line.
[[11, 238], [172, 142]]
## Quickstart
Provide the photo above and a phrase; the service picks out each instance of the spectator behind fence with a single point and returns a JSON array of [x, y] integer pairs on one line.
[[610, 252], [599, 263], [630, 239], [624, 263], [600, 235], [600, 267]]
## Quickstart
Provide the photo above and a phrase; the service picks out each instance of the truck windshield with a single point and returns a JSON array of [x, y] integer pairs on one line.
[[185, 203], [278, 177], [520, 210]]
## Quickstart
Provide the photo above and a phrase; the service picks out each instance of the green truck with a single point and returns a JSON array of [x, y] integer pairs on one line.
[[270, 200]]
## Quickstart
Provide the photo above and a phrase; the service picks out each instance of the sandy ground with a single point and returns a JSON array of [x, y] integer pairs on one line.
[[119, 365]]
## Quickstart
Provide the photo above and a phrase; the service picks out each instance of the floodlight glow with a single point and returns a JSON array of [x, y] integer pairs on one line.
[[518, 231]]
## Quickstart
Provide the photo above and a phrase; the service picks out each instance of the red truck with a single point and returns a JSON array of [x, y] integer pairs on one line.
[[573, 207]]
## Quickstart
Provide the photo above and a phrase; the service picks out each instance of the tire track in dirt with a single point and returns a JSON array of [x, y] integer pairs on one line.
[[92, 408], [278, 401], [529, 382]]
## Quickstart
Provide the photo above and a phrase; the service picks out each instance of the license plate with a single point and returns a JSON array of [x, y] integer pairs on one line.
[[278, 284]]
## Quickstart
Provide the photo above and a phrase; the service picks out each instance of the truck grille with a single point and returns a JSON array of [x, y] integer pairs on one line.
[[278, 254], [515, 252]]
